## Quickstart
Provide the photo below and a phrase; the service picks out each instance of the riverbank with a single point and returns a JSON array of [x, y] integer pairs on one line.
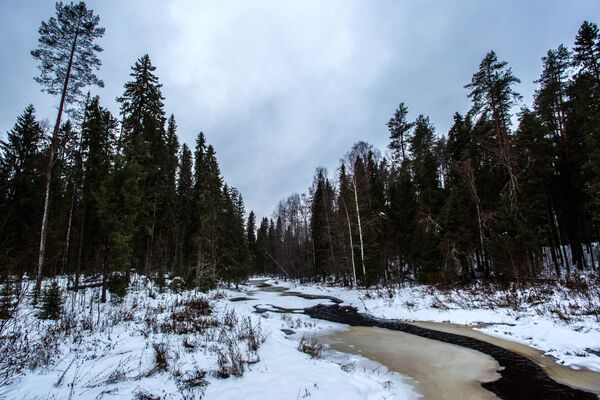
[[563, 322], [154, 343], [256, 342]]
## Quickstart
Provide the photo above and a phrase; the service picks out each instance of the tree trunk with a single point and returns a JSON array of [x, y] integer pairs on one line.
[[360, 236], [79, 251], [104, 271], [476, 200], [354, 282], [73, 184]]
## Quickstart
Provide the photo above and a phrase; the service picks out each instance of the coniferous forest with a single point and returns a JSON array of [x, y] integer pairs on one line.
[[103, 194], [505, 195], [510, 193]]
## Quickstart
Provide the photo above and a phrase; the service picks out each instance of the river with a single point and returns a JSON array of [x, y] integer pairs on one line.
[[438, 369]]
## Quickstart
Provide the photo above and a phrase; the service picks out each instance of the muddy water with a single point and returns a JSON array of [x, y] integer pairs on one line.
[[439, 370], [577, 378]]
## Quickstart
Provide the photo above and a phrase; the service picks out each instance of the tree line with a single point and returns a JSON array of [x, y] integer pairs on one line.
[[97, 193], [486, 200]]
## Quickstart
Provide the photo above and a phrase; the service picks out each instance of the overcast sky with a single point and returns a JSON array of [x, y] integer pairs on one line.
[[280, 87]]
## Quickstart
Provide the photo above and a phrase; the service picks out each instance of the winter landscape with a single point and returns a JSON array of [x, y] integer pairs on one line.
[[450, 256]]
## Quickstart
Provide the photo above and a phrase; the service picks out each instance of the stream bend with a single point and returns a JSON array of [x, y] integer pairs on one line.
[[520, 378]]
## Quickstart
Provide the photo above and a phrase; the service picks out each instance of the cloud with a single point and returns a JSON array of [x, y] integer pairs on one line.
[[274, 84], [280, 87]]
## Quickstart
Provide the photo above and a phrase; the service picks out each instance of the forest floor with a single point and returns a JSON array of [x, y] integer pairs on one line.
[[167, 344]]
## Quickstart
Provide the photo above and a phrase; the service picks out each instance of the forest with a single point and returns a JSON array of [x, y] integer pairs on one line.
[[485, 201], [96, 194], [458, 264]]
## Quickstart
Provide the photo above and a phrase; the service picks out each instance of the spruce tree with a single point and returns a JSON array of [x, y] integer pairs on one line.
[[320, 235], [52, 302], [184, 200], [144, 148], [168, 200], [207, 204], [262, 238], [399, 129], [425, 168], [23, 168], [345, 217], [97, 147], [7, 301], [251, 239]]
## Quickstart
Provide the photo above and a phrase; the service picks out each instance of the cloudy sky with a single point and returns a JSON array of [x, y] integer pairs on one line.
[[280, 87]]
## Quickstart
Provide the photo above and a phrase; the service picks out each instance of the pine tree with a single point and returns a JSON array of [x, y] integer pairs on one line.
[[585, 118], [67, 53], [492, 94], [587, 50], [551, 98], [552, 105]]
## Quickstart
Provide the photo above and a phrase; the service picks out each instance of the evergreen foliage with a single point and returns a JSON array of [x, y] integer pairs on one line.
[[7, 301], [52, 302]]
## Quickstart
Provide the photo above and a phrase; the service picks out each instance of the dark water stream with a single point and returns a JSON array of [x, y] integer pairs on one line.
[[448, 361]]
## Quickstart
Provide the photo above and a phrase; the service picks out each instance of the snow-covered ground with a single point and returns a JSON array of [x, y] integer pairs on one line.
[[152, 344], [562, 322]]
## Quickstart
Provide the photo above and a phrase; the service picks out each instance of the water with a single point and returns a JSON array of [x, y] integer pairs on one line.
[[441, 370]]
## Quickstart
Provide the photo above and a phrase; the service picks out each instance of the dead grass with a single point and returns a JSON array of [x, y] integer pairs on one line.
[[310, 345]]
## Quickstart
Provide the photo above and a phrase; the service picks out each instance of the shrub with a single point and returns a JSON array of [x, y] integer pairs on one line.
[[311, 346]]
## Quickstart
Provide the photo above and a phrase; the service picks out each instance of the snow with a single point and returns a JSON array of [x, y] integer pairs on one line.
[[114, 357], [108, 351], [556, 320]]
